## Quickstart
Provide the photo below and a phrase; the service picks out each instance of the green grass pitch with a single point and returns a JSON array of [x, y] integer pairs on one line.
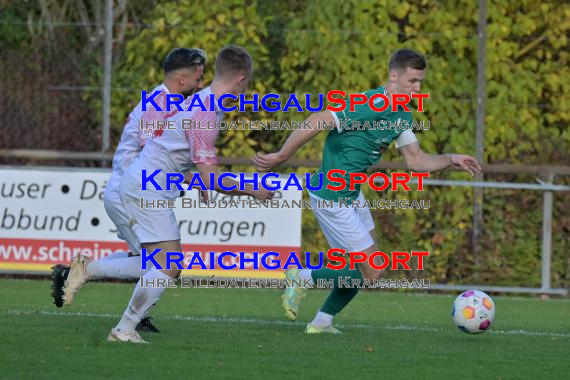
[[241, 333]]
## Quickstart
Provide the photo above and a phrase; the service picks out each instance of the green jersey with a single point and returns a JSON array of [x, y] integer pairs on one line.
[[359, 141]]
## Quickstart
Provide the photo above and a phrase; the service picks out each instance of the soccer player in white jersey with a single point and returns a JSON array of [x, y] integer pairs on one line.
[[177, 150], [183, 74]]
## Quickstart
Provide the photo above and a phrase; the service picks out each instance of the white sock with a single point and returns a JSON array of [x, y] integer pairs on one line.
[[322, 320], [116, 255], [127, 269], [305, 275], [142, 301]]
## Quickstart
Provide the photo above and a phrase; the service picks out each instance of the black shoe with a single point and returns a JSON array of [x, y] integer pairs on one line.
[[59, 275], [146, 326]]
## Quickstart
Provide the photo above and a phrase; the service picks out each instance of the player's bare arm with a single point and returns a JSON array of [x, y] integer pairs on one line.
[[418, 160], [266, 162], [205, 170]]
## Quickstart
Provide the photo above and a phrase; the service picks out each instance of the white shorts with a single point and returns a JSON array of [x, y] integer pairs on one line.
[[150, 225], [347, 228], [118, 215]]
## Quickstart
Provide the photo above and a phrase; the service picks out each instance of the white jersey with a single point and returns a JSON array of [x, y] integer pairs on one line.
[[175, 150], [132, 141]]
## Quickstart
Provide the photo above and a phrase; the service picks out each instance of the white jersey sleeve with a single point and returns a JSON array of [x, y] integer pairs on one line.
[[129, 146], [407, 137]]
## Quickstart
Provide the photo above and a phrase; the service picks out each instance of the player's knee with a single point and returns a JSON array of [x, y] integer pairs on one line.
[[173, 273], [369, 273], [371, 276], [366, 270], [377, 274]]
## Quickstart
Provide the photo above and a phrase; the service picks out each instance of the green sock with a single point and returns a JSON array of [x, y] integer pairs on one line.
[[338, 299], [341, 295], [346, 275]]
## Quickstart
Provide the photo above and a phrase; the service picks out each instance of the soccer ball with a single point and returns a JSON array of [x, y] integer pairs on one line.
[[473, 312]]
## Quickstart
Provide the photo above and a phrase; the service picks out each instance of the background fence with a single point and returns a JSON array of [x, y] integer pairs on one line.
[[497, 78]]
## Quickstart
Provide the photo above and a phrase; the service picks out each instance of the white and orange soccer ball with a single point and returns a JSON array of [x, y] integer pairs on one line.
[[473, 312]]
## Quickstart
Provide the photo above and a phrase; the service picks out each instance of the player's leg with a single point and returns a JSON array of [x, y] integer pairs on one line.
[[337, 300], [335, 223], [126, 268], [145, 297], [83, 269], [155, 229], [343, 228], [350, 229], [340, 297], [366, 220], [117, 255]]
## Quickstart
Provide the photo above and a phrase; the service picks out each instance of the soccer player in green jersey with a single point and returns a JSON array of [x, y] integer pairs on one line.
[[354, 150]]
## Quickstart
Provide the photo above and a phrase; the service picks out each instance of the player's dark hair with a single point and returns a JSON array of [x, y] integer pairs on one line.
[[233, 60], [183, 58], [404, 58]]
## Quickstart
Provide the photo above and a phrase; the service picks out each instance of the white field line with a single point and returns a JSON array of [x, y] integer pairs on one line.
[[253, 321]]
